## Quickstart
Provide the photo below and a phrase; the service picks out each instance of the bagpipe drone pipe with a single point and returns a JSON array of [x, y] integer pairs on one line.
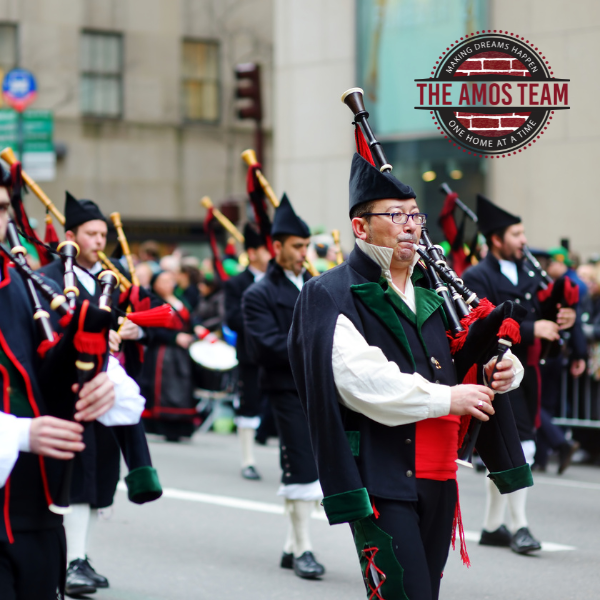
[[552, 296], [478, 331]]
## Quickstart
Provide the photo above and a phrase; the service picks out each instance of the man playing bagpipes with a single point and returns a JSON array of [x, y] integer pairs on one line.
[[96, 474], [373, 366], [505, 275], [32, 539]]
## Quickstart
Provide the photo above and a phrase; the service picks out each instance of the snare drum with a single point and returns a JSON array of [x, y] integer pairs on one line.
[[213, 365]]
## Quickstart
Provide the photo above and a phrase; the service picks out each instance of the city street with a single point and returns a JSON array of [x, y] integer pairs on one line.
[[214, 535]]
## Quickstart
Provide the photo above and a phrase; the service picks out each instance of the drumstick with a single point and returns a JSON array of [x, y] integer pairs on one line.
[[9, 156], [225, 222]]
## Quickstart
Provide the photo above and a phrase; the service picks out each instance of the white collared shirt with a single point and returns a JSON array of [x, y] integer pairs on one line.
[[86, 280], [508, 268], [297, 280], [258, 275]]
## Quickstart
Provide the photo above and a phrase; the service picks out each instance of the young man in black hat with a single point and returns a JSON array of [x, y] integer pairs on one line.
[[371, 359], [503, 275], [267, 308], [96, 473], [248, 415]]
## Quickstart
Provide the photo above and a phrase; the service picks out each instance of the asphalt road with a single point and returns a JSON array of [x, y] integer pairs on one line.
[[215, 535]]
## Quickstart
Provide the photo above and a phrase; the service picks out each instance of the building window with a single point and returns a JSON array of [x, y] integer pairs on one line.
[[101, 66], [200, 81], [8, 50]]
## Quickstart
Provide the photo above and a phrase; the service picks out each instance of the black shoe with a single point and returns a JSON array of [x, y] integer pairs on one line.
[[523, 542], [500, 537], [78, 583], [565, 454], [307, 567], [99, 580], [250, 473], [287, 560]]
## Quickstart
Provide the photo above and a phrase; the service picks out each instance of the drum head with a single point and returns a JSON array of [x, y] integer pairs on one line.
[[217, 356]]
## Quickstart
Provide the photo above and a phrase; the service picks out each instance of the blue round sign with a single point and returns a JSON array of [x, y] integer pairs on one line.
[[19, 89]]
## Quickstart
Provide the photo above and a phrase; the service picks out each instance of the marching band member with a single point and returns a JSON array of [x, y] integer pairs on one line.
[[372, 363], [501, 276], [267, 308]]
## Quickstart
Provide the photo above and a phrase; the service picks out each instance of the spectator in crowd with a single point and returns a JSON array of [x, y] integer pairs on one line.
[[166, 380], [149, 252]]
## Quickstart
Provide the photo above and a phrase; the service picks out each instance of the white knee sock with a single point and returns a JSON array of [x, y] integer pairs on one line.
[[76, 530], [300, 514], [246, 436], [290, 540], [495, 507], [516, 505]]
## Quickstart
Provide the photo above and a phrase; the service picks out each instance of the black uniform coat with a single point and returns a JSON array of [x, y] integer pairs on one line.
[[250, 396], [234, 289], [356, 456], [29, 489], [268, 309]]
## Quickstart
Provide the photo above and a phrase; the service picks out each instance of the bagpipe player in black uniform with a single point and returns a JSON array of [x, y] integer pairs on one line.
[[267, 308], [96, 472], [505, 275], [372, 362], [252, 400], [32, 539]]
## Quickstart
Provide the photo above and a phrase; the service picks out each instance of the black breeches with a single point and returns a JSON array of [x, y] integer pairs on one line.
[[34, 566], [412, 540]]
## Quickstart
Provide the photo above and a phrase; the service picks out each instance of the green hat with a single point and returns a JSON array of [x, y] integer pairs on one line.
[[561, 255]]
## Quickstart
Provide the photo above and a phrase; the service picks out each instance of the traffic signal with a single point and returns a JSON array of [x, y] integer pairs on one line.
[[248, 89]]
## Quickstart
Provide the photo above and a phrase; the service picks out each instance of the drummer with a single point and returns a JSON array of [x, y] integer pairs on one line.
[[166, 380]]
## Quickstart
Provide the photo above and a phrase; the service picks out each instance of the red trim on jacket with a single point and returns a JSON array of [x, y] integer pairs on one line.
[[6, 408], [34, 407]]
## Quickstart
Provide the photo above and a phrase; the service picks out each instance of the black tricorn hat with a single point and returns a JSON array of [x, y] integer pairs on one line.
[[252, 237], [78, 212], [287, 222], [367, 183], [493, 218]]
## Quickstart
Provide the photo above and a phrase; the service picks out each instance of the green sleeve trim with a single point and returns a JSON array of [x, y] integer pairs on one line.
[[513, 479], [143, 485], [354, 440], [347, 506]]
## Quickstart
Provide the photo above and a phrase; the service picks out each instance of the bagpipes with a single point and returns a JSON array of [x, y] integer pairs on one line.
[[142, 480], [478, 331], [76, 356], [552, 296], [454, 233], [258, 189]]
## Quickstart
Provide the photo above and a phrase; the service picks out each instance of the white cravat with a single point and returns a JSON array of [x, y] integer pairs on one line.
[[509, 269], [258, 275], [383, 257], [297, 280]]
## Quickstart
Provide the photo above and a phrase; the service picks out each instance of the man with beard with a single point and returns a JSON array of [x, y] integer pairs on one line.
[[501, 276], [372, 363], [268, 307]]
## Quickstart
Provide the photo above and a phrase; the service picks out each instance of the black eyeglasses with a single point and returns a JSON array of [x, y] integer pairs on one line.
[[400, 218]]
